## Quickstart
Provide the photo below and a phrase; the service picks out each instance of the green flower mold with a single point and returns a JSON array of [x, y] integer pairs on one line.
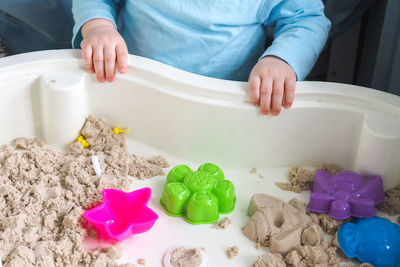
[[199, 196]]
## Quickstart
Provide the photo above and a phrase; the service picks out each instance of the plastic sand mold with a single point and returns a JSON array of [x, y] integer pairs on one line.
[[346, 194], [122, 214], [198, 196], [373, 240]]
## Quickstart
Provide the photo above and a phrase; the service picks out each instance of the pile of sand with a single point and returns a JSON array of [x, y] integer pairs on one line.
[[232, 252], [391, 203], [44, 192], [301, 179], [222, 224], [293, 237]]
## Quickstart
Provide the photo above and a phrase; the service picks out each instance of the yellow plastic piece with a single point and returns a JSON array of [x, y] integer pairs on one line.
[[118, 131], [83, 141]]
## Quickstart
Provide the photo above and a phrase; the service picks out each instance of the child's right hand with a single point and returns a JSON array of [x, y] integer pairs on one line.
[[102, 49]]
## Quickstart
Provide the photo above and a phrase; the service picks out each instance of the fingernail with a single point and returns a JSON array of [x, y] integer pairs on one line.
[[276, 113]]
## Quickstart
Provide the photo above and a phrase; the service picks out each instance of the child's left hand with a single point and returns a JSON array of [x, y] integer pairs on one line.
[[272, 83]]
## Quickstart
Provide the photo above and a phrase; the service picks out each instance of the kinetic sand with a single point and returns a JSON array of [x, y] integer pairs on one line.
[[44, 192]]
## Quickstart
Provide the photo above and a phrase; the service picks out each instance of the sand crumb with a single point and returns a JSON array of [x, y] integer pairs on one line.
[[253, 170], [391, 203], [330, 167], [143, 168], [182, 257], [258, 245], [321, 255], [141, 261], [222, 224], [114, 252], [327, 223], [301, 179], [270, 260], [44, 192], [312, 235], [232, 252]]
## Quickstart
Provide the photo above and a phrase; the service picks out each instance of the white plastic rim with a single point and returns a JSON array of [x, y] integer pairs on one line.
[[167, 257], [199, 118]]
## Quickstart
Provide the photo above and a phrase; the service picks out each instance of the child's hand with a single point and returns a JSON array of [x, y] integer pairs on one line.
[[272, 83], [102, 48]]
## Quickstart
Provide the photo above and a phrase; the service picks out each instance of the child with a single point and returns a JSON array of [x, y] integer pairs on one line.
[[217, 38]]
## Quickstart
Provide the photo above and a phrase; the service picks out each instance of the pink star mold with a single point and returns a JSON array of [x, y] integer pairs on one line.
[[121, 214], [346, 194]]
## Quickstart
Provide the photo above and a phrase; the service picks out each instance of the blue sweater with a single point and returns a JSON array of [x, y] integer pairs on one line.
[[217, 38]]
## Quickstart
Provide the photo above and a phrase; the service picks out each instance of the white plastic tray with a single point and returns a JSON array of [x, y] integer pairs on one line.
[[193, 119]]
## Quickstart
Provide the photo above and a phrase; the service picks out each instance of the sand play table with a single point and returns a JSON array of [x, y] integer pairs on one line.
[[190, 119]]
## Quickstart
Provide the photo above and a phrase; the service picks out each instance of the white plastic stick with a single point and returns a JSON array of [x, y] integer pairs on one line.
[[96, 166]]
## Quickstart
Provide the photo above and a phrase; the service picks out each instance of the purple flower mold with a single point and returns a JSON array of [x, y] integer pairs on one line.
[[346, 194]]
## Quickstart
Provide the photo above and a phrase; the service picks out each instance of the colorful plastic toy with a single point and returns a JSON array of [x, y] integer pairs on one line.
[[83, 141], [118, 131], [346, 194], [122, 214], [373, 240], [198, 196]]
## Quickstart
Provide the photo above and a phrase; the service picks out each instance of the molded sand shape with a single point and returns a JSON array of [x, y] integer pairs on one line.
[[185, 257]]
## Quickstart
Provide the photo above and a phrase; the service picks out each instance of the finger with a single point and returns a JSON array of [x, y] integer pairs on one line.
[[98, 61], [290, 87], [265, 95], [122, 57], [87, 53], [277, 96], [254, 89], [109, 63]]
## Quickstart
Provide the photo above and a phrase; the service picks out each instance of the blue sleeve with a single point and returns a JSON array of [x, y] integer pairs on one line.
[[84, 10], [301, 30]]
